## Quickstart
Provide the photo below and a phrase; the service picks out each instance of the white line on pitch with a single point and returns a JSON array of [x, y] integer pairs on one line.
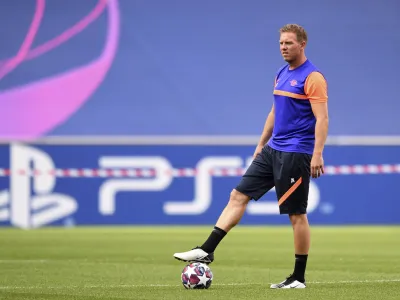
[[176, 285]]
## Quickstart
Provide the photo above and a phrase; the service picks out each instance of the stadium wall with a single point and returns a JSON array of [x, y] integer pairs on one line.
[[168, 181]]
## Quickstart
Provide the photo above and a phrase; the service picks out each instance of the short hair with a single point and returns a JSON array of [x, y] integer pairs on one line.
[[300, 32]]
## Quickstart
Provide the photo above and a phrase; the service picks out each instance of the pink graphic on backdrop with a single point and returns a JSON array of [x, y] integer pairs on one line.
[[31, 110]]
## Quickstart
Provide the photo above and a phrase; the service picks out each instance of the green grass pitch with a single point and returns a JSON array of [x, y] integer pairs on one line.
[[137, 263]]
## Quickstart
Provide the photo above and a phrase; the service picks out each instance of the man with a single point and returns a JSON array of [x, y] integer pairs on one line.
[[289, 151]]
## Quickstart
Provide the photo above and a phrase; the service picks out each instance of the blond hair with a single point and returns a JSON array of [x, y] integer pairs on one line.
[[300, 32]]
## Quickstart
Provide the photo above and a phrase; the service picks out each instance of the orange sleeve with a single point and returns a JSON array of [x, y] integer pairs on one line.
[[316, 88]]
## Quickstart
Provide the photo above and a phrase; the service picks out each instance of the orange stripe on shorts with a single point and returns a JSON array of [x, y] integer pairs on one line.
[[290, 191]]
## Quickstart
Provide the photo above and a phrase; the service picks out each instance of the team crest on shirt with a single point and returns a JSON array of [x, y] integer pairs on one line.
[[293, 82]]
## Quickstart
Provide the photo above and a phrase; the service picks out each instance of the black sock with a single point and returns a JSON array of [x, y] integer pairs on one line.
[[300, 267], [213, 240]]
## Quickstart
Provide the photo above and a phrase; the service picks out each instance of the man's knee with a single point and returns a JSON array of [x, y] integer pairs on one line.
[[238, 198], [298, 219]]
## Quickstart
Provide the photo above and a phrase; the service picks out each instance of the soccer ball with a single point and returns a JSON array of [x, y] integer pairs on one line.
[[197, 276]]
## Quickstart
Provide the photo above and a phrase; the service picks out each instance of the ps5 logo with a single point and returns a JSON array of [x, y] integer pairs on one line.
[[30, 203]]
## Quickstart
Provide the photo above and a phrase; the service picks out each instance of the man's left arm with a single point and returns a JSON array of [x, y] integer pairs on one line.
[[317, 92]]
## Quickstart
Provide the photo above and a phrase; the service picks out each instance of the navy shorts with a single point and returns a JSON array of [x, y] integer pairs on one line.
[[288, 172]]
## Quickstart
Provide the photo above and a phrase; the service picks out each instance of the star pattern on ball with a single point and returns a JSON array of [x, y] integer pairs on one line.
[[203, 279]]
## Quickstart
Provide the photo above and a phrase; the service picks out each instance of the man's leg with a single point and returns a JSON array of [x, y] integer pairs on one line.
[[291, 171], [301, 232], [233, 212], [257, 180], [230, 217]]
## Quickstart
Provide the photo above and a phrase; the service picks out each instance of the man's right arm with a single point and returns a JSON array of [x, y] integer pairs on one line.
[[267, 132]]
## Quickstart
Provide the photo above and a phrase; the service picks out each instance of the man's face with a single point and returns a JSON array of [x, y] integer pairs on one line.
[[290, 48]]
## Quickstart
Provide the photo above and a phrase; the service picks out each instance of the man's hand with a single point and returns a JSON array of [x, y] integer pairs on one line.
[[258, 150], [317, 165]]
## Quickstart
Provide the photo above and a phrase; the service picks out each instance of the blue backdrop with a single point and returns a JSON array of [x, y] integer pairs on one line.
[[207, 67], [43, 200], [183, 67]]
